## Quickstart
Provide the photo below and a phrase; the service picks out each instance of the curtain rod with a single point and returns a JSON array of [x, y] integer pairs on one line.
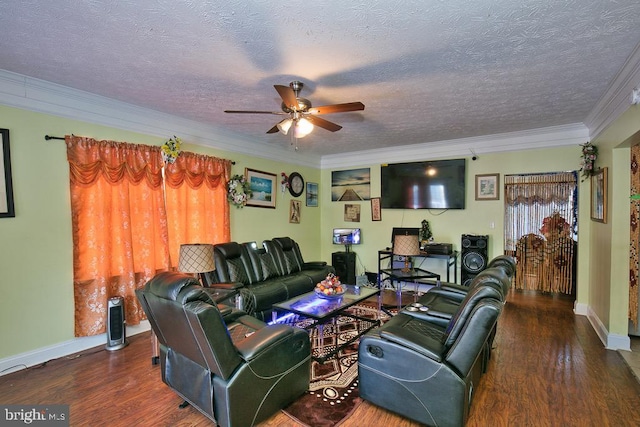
[[47, 138]]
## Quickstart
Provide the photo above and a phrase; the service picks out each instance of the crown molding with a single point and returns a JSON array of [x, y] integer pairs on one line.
[[617, 98], [37, 95], [554, 136]]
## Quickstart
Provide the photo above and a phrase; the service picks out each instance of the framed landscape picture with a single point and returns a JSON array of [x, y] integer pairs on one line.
[[263, 187], [312, 194], [352, 185]]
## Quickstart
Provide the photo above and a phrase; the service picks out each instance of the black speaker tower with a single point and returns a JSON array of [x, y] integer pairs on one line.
[[474, 256], [345, 265], [116, 331]]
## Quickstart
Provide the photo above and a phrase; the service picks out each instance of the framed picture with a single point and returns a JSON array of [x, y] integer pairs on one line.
[[352, 213], [294, 212], [6, 186], [312, 194], [488, 186], [351, 185], [263, 188], [599, 196], [376, 212]]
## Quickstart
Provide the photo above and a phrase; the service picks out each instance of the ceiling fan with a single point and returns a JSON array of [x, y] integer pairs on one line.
[[302, 116]]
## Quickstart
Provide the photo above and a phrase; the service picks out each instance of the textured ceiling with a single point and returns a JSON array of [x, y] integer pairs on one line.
[[427, 70]]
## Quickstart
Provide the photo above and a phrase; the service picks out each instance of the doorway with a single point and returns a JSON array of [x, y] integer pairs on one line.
[[541, 230]]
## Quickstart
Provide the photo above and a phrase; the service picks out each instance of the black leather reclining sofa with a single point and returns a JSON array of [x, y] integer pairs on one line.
[[267, 275], [425, 364]]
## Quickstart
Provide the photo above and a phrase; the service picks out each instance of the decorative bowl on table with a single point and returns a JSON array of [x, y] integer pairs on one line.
[[330, 288]]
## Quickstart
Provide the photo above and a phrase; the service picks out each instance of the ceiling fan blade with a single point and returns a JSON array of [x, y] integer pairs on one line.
[[253, 112], [288, 96], [274, 129], [326, 124], [337, 108]]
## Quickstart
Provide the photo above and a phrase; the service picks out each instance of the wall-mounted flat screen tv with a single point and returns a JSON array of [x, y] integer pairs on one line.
[[433, 184], [346, 236]]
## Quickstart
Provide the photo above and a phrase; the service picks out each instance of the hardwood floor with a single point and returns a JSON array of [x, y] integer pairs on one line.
[[548, 368]]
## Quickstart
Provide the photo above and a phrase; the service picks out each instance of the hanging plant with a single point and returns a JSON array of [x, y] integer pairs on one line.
[[171, 149], [238, 191], [588, 160]]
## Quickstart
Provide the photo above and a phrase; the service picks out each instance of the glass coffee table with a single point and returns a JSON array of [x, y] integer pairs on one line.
[[325, 310]]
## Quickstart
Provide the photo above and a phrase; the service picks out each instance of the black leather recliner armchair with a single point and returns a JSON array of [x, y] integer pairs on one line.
[[235, 370], [424, 371], [501, 268]]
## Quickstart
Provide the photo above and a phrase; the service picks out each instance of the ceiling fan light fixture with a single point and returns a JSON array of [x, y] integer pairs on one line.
[[285, 125], [302, 128]]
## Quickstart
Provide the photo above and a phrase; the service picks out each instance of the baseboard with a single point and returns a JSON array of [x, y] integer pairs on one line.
[[610, 341], [581, 309], [56, 351]]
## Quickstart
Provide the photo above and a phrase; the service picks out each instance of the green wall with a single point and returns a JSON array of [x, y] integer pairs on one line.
[[609, 243], [477, 218], [36, 277], [36, 308]]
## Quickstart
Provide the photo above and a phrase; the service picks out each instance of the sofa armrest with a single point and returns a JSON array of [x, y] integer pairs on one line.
[[314, 264], [220, 292], [432, 316], [262, 339], [451, 291], [228, 286], [415, 341]]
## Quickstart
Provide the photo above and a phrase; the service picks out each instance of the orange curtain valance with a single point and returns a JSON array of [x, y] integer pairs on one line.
[[89, 159], [195, 169]]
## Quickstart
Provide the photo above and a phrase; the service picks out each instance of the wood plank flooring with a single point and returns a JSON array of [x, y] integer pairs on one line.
[[548, 368]]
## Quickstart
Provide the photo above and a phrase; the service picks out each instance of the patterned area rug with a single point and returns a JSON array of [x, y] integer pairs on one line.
[[333, 392]]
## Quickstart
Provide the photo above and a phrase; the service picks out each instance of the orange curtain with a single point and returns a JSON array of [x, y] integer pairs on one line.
[[196, 201], [120, 237]]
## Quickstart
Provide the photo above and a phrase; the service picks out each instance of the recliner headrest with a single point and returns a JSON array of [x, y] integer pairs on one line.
[[175, 286], [230, 250], [286, 243], [506, 262]]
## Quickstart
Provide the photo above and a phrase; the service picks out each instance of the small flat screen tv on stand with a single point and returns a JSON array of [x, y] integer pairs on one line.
[[347, 237]]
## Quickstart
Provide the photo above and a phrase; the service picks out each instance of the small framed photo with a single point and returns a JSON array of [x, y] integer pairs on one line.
[[599, 196], [263, 188], [312, 194], [352, 213], [488, 186], [6, 186], [294, 212], [376, 212]]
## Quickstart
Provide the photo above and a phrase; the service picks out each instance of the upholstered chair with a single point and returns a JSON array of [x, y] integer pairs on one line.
[[423, 371], [236, 370]]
